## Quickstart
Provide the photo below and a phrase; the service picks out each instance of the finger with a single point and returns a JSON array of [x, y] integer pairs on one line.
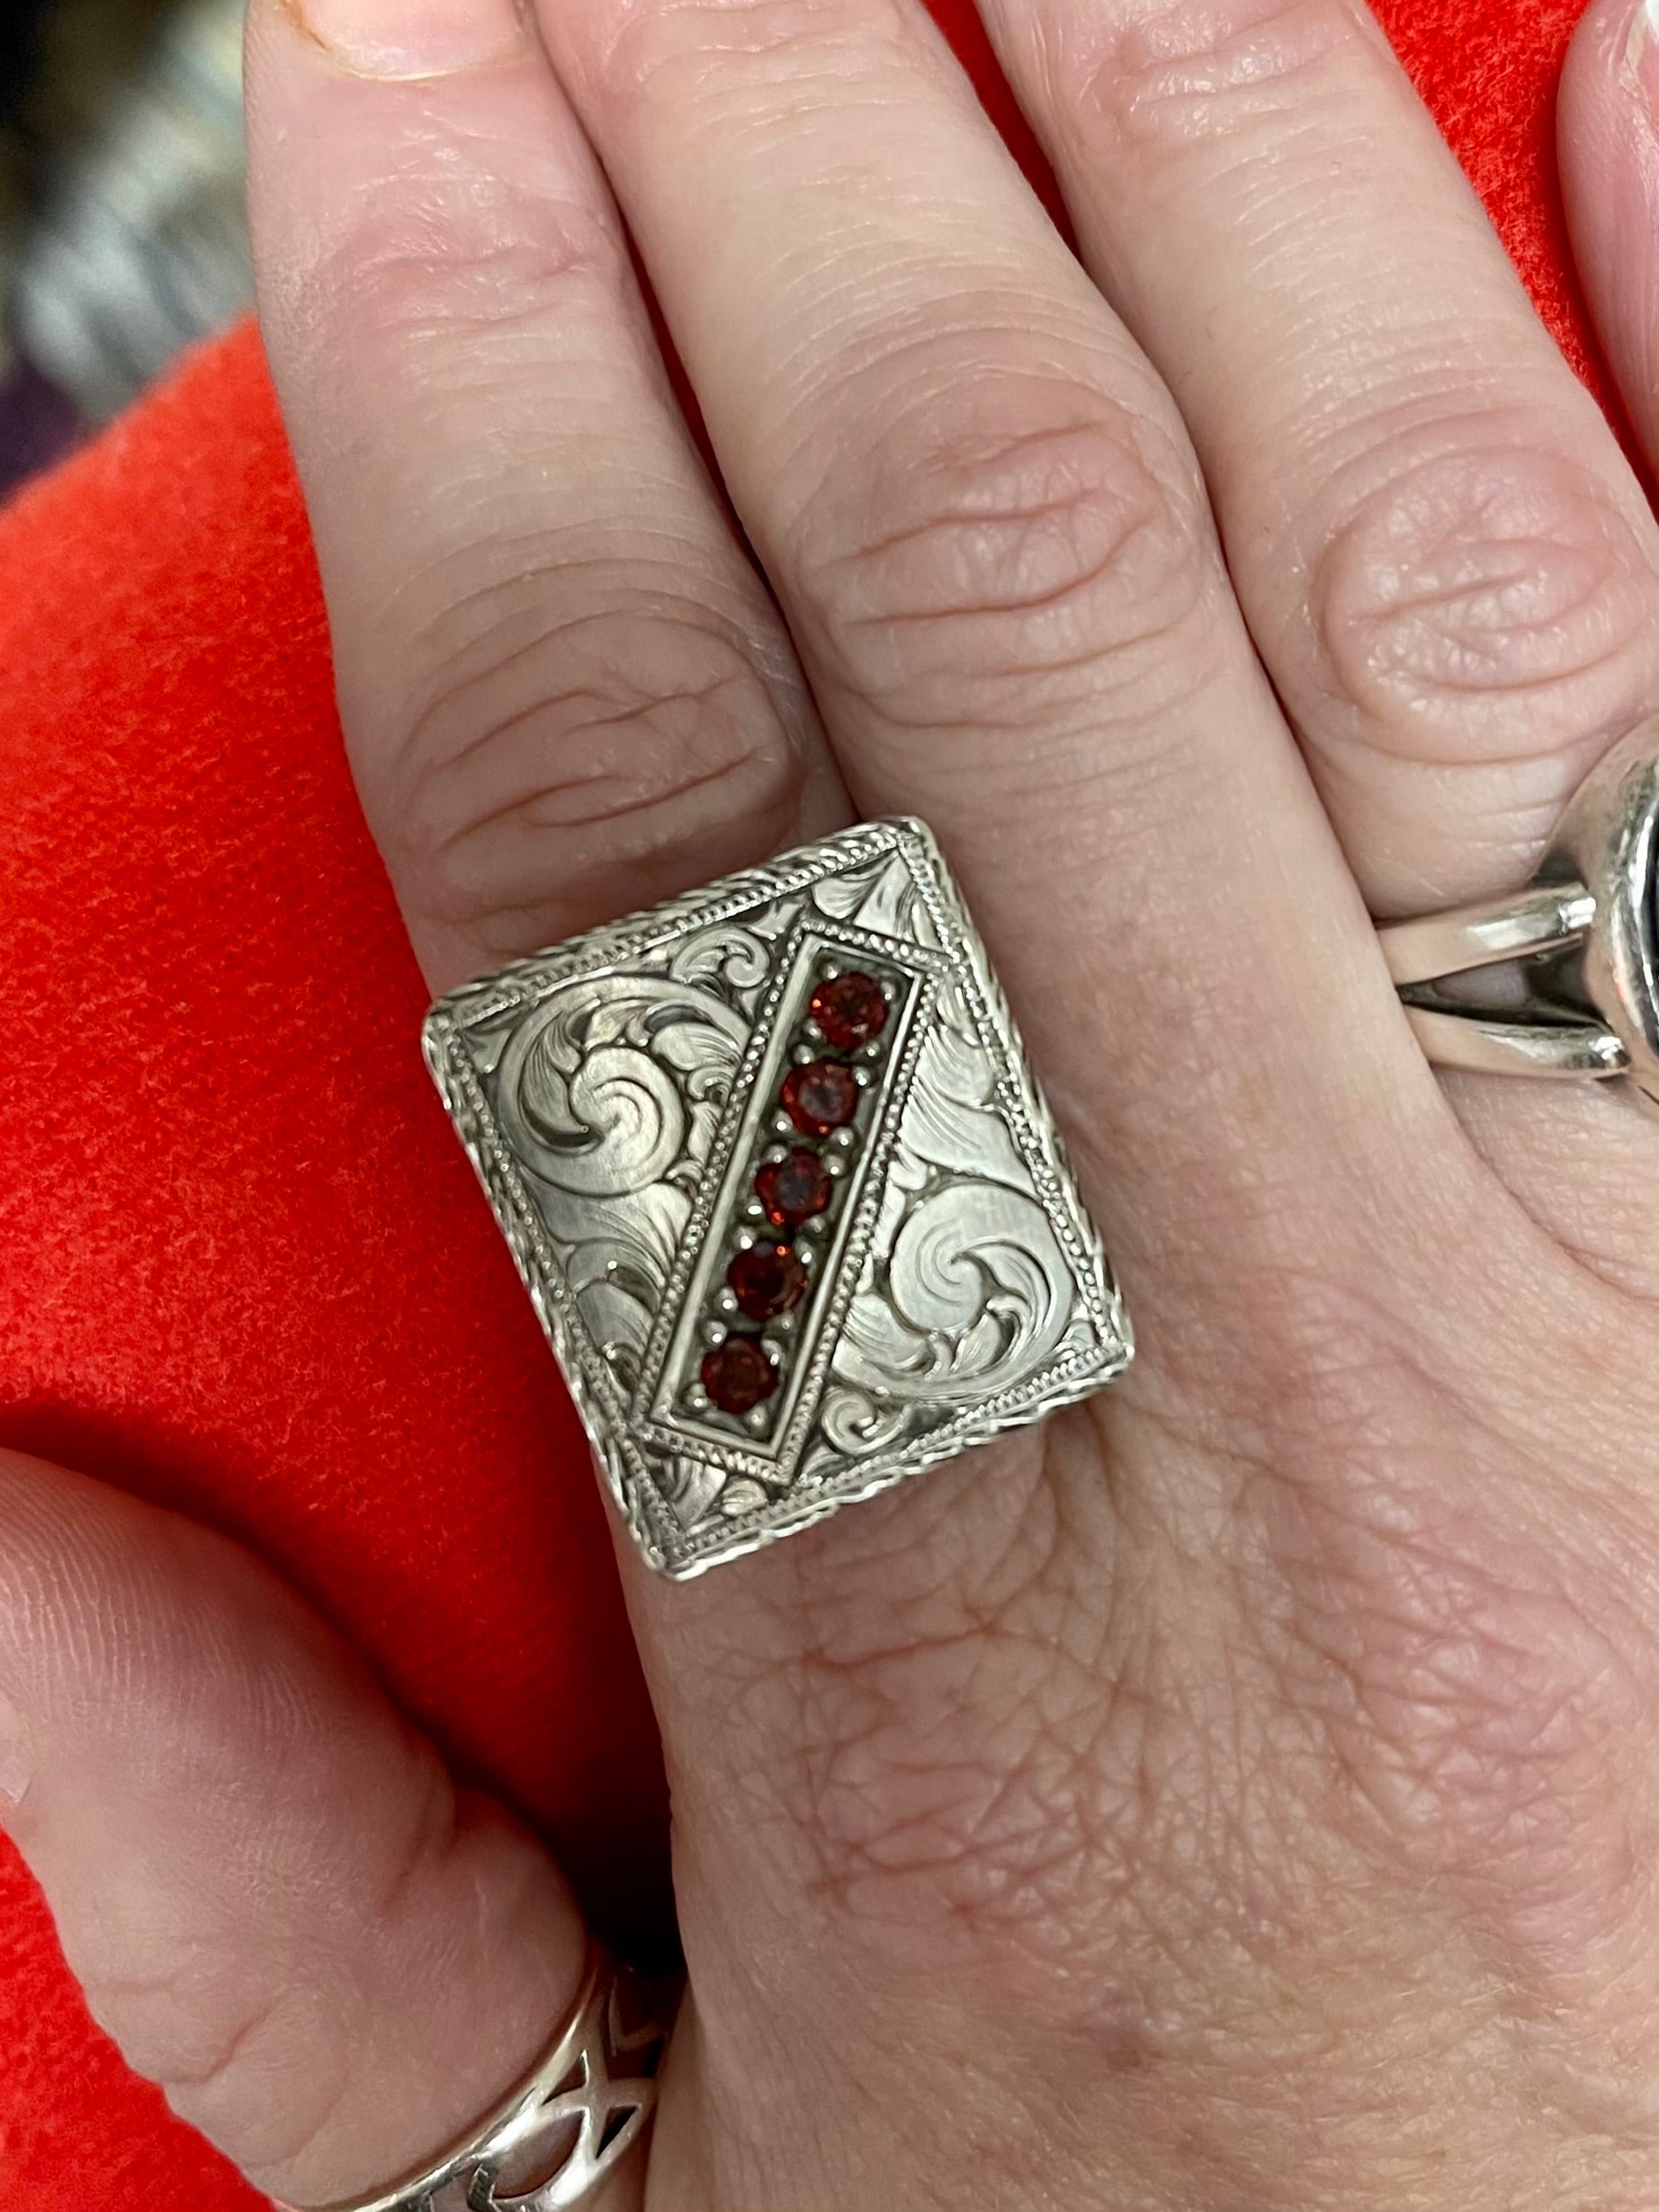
[[564, 690], [1443, 556], [983, 522], [330, 1956], [1610, 183]]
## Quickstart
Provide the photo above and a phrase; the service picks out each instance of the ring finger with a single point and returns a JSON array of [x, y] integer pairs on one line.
[[1445, 559]]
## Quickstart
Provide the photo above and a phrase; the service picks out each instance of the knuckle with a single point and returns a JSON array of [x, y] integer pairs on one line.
[[501, 282], [256, 2026], [677, 56], [1486, 604], [1187, 72], [1025, 552], [544, 757], [235, 2041], [446, 264]]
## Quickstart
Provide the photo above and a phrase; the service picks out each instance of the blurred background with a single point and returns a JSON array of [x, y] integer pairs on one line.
[[121, 229]]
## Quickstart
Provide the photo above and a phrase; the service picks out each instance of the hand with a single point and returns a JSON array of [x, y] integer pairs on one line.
[[1238, 1791]]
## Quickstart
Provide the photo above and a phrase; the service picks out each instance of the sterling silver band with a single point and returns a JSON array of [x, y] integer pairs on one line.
[[1559, 979], [553, 2144]]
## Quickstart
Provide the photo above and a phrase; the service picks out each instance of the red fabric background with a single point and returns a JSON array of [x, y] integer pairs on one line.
[[244, 1267]]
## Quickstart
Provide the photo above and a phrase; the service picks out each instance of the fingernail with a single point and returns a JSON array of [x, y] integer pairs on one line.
[[16, 1756], [411, 39]]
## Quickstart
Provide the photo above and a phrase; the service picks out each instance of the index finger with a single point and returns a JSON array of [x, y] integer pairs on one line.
[[562, 686]]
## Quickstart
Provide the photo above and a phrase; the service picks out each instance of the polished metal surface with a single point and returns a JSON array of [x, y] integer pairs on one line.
[[553, 2144], [1576, 948], [618, 1096]]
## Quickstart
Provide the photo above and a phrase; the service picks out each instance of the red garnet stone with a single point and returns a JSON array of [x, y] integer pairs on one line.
[[792, 1189], [765, 1280], [737, 1374], [850, 1010], [820, 1097]]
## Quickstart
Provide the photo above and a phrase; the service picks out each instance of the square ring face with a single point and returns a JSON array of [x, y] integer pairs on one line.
[[782, 1187]]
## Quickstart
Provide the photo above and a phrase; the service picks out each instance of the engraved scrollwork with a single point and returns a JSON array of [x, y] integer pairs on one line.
[[730, 958], [975, 1297], [965, 1292], [602, 1090], [614, 1090]]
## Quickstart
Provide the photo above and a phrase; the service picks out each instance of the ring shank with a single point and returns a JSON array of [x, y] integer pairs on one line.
[[1535, 1038], [1482, 1047], [1545, 917], [587, 2100]]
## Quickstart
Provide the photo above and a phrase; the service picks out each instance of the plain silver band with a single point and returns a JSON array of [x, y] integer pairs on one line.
[[1581, 943], [1545, 919], [593, 2070]]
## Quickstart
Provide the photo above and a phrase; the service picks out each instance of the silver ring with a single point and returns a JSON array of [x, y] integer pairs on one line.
[[779, 1180], [563, 2131], [1559, 979]]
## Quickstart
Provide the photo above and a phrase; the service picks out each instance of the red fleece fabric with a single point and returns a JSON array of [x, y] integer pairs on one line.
[[244, 1266]]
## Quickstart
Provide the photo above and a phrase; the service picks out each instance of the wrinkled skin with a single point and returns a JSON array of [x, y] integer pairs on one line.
[[1237, 1791]]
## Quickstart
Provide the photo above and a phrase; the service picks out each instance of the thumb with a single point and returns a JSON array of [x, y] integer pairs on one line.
[[331, 1957]]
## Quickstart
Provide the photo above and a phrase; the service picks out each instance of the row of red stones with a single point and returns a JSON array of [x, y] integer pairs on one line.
[[769, 1278]]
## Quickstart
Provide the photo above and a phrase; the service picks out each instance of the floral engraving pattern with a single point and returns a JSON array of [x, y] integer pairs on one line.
[[611, 1091], [965, 1292]]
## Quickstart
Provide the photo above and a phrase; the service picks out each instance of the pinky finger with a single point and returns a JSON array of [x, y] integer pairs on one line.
[[331, 1957], [1610, 181]]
